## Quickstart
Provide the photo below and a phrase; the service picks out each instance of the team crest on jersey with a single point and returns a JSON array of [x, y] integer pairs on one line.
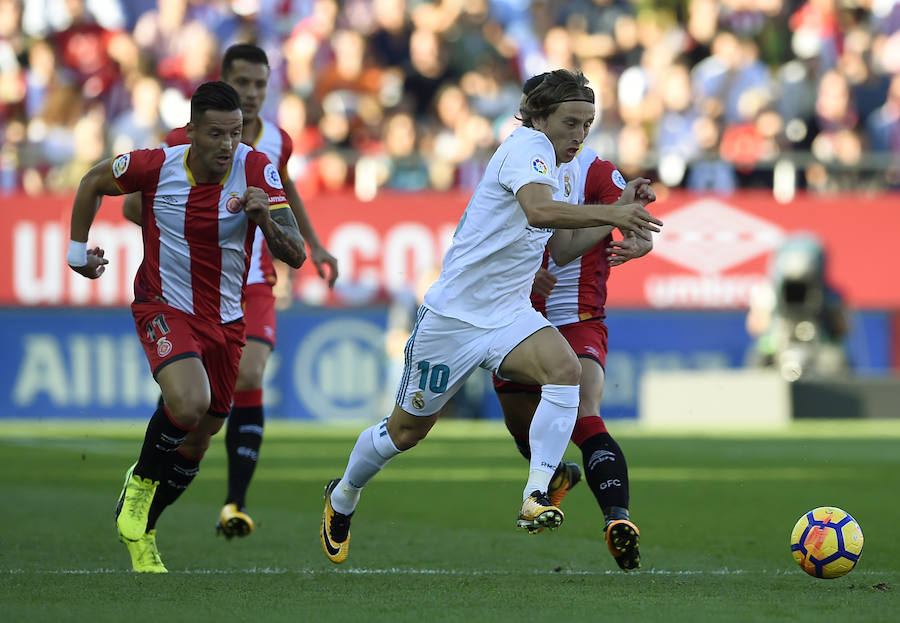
[[163, 347], [567, 184], [233, 204], [418, 401], [271, 176], [120, 165], [617, 179], [540, 166]]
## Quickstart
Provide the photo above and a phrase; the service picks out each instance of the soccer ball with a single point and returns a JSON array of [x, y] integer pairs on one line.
[[826, 542]]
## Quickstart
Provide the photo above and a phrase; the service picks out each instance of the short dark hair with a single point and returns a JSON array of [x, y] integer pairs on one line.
[[243, 52], [214, 96], [545, 92]]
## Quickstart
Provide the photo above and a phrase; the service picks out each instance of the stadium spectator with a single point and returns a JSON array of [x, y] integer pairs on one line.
[[140, 125], [736, 52], [477, 313], [187, 306]]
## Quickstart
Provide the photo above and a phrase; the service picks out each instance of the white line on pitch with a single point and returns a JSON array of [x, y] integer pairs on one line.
[[408, 571]]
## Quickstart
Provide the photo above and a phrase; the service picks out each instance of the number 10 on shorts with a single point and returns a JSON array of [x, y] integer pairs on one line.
[[434, 378]]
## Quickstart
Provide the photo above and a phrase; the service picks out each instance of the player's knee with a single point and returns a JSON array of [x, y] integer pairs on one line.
[[407, 434], [188, 407], [565, 371], [406, 438]]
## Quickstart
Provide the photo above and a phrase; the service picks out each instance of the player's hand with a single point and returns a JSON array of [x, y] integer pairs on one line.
[[256, 205], [631, 247], [645, 194], [633, 217], [320, 258], [630, 192], [96, 264], [544, 282]]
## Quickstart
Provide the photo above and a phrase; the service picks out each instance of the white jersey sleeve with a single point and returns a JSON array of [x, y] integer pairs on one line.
[[488, 270]]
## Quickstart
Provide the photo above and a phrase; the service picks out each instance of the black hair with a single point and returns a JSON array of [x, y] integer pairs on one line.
[[213, 96], [543, 93], [243, 52]]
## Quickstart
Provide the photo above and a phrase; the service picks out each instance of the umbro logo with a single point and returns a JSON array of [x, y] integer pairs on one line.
[[169, 199]]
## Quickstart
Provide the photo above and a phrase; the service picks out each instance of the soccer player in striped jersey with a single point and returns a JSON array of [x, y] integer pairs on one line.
[[246, 68], [572, 295], [201, 206]]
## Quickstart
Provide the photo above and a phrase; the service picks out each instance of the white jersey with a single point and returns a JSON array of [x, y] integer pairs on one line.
[[488, 271]]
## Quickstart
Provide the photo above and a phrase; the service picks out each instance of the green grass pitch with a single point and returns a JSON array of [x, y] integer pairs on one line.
[[434, 537]]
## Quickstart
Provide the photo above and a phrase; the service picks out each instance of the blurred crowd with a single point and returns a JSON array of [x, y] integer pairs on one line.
[[416, 94]]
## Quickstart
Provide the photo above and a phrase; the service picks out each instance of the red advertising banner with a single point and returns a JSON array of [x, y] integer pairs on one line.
[[711, 252]]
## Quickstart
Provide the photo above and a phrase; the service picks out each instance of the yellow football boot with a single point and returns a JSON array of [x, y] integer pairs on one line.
[[623, 540], [234, 522], [133, 507], [538, 513], [335, 533], [144, 554]]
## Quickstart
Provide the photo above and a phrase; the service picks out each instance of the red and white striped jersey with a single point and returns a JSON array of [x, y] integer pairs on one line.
[[197, 238], [277, 145], [580, 291]]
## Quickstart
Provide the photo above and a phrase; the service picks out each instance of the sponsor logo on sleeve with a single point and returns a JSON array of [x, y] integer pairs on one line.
[[539, 165], [120, 165], [617, 179], [271, 176], [274, 199]]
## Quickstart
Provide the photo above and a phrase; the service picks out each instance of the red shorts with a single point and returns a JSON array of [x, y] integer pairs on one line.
[[587, 338], [259, 313], [168, 334]]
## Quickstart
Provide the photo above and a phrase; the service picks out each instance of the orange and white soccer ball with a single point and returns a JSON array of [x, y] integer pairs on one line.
[[827, 542]]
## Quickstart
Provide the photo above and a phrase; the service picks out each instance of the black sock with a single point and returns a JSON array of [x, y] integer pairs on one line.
[[179, 471], [243, 438], [606, 474], [162, 438]]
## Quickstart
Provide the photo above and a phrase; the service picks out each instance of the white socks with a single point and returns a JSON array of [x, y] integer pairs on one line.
[[373, 449], [549, 434]]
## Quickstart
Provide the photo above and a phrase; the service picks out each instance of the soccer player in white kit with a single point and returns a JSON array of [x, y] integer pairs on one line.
[[478, 312]]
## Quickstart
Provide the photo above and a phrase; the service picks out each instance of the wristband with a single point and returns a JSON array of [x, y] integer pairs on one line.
[[76, 256]]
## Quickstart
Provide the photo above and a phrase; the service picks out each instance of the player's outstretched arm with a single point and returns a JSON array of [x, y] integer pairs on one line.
[[542, 210], [278, 226], [317, 253], [96, 183]]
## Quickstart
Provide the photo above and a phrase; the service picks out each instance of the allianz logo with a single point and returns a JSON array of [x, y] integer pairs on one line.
[[339, 370]]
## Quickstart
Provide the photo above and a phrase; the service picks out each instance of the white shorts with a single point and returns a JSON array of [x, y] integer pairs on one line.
[[442, 352]]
